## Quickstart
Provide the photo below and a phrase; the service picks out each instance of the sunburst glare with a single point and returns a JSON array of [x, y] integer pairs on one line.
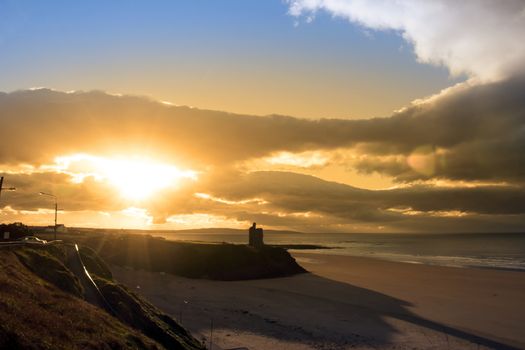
[[136, 178]]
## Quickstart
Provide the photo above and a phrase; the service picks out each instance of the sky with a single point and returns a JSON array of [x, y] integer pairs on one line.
[[311, 115], [242, 56]]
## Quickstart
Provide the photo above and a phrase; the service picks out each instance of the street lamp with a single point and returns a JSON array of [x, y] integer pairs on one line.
[[56, 209], [182, 305], [5, 188]]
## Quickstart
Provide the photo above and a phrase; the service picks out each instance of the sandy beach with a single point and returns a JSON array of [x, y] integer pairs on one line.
[[347, 303]]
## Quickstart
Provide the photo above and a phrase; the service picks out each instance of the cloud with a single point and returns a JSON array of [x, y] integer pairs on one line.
[[285, 199], [480, 38], [43, 123], [472, 134], [89, 194], [493, 161], [307, 201], [297, 192], [469, 132]]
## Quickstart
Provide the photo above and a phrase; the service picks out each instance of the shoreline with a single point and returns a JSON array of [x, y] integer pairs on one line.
[[348, 302], [426, 260], [471, 298]]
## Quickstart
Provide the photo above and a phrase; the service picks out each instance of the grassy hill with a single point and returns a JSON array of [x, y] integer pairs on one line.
[[42, 307], [193, 260], [43, 302]]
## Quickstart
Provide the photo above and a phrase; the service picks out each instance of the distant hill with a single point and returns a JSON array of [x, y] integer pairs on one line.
[[220, 261], [196, 230], [229, 230]]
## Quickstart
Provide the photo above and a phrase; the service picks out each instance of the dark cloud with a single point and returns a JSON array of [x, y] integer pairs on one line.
[[89, 194], [293, 200], [467, 133], [481, 130], [297, 192], [302, 201]]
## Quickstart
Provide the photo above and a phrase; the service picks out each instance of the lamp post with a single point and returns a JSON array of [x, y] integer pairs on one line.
[[182, 305], [5, 188], [56, 209]]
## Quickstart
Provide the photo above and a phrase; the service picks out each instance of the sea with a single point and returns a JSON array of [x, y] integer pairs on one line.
[[485, 250]]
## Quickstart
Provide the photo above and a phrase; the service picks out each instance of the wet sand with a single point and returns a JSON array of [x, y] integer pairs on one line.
[[347, 303]]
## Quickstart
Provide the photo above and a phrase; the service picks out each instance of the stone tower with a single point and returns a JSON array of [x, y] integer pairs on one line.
[[255, 236]]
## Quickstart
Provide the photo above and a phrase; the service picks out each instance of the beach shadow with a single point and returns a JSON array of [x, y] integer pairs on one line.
[[382, 305], [311, 309]]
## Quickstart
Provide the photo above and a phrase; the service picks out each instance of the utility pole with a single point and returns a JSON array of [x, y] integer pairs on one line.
[[56, 214], [56, 209], [181, 309]]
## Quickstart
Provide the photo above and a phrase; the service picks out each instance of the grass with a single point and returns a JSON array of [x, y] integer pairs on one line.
[[41, 307], [35, 314], [140, 314], [194, 260], [135, 311], [94, 264], [47, 263]]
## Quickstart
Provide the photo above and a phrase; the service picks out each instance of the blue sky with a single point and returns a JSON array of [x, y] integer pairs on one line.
[[238, 55]]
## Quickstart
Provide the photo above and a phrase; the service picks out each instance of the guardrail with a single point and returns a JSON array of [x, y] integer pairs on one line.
[[15, 243], [105, 303]]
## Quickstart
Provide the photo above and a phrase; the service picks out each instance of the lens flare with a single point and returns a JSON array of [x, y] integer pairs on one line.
[[135, 178]]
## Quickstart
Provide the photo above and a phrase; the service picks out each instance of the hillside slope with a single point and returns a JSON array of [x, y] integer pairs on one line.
[[194, 260], [42, 307]]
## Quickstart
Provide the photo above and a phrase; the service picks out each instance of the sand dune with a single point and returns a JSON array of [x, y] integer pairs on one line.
[[348, 303]]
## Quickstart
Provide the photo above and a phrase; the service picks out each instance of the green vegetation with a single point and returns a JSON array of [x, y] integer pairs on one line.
[[16, 230], [139, 314], [41, 307], [35, 314], [47, 263], [94, 264], [42, 302]]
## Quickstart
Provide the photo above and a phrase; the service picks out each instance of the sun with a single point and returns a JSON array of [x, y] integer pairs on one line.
[[140, 179], [136, 178]]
